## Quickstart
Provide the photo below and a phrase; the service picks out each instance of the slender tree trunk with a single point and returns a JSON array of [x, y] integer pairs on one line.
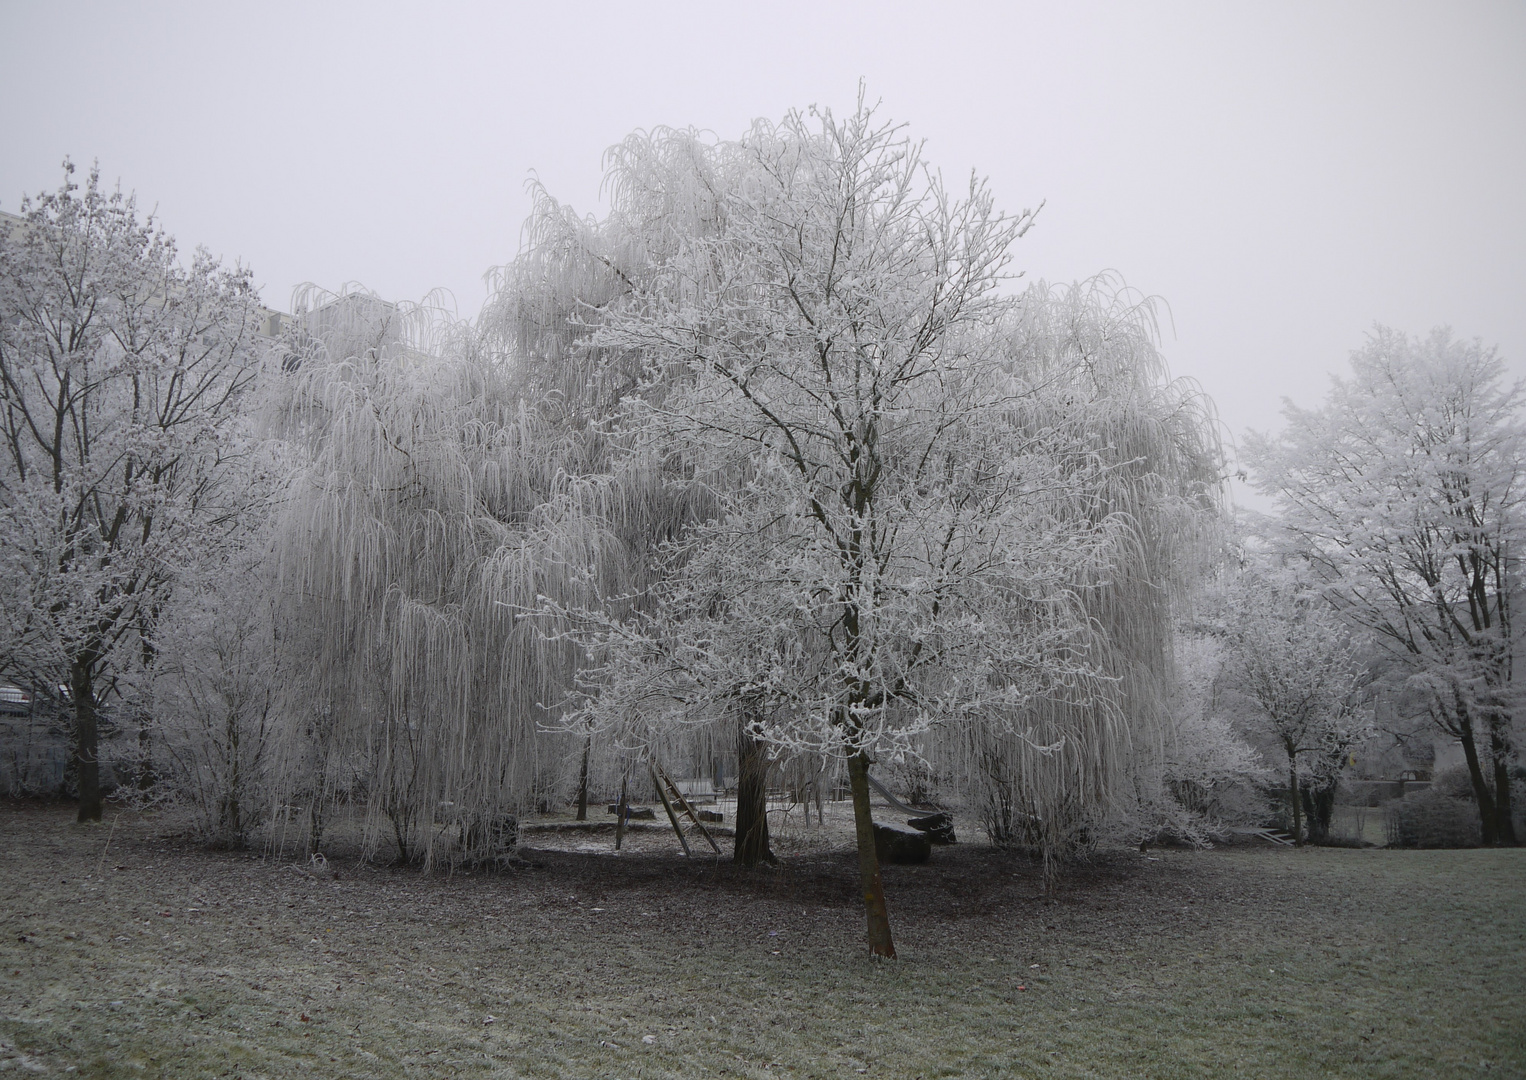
[[315, 824], [583, 781], [752, 800], [146, 775], [1295, 798], [880, 943], [400, 830], [232, 823], [1487, 814], [1505, 823], [87, 747], [622, 811], [320, 733]]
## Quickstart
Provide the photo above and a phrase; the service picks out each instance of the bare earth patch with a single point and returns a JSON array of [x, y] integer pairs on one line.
[[155, 958]]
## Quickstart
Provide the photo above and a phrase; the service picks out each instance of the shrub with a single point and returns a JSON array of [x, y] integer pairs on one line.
[[1454, 782], [1432, 819]]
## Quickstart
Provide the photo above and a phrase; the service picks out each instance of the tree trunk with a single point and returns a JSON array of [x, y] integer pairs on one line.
[[87, 748], [880, 943], [583, 781], [315, 824], [1319, 811], [146, 775], [1487, 816], [400, 830], [752, 800], [1505, 823], [622, 811], [1295, 799], [231, 824]]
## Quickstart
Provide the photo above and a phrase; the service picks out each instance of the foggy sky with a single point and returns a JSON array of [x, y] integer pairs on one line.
[[1282, 175]]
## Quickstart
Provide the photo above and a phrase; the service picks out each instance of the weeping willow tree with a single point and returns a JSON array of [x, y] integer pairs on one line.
[[459, 476], [1151, 459], [574, 277], [436, 506]]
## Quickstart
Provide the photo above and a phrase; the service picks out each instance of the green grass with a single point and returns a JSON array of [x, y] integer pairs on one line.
[[1244, 963]]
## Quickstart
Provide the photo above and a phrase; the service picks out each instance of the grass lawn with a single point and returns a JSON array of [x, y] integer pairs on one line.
[[153, 958]]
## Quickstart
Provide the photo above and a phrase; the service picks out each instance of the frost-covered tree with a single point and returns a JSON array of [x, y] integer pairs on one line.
[[435, 503], [1294, 659], [1404, 494], [1210, 772], [910, 517], [768, 450], [211, 697], [121, 372], [1090, 352], [215, 699]]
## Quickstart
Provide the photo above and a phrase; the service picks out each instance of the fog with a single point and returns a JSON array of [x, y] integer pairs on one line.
[[1283, 177]]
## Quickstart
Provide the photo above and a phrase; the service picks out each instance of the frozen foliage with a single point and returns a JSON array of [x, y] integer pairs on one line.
[[935, 507], [1090, 352], [432, 508], [1403, 494], [214, 702], [888, 553], [1210, 771], [772, 456], [121, 371], [1295, 661]]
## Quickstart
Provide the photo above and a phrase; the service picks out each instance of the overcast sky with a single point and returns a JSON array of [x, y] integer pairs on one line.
[[1282, 175]]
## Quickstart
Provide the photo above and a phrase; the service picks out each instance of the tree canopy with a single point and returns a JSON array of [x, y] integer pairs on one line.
[[1404, 494], [121, 372], [914, 506]]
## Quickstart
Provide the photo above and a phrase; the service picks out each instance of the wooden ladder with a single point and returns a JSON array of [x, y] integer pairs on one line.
[[665, 786]]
